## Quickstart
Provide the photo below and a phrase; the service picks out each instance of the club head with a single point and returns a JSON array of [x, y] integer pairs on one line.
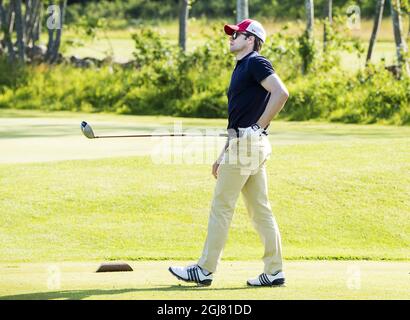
[[87, 130]]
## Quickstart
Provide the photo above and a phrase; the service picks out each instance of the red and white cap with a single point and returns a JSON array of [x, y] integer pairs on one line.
[[248, 25]]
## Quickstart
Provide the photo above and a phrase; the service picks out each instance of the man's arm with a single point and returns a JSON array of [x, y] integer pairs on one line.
[[278, 98]]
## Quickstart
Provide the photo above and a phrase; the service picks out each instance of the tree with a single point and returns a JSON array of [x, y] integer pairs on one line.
[[242, 10], [25, 18], [405, 5], [7, 23], [401, 46], [21, 47], [328, 22], [310, 15], [183, 22], [376, 26], [32, 21], [307, 49]]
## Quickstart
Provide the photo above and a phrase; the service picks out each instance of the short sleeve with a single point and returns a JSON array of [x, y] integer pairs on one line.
[[260, 68]]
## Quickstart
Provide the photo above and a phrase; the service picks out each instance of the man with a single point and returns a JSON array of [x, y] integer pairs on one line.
[[256, 94]]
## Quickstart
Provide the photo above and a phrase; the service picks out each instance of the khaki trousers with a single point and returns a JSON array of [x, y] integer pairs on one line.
[[243, 170]]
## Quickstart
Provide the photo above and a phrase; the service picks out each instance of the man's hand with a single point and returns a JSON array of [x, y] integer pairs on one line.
[[252, 131], [221, 157], [215, 167]]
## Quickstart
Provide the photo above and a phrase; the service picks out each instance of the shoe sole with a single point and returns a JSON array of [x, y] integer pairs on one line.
[[275, 283], [201, 283]]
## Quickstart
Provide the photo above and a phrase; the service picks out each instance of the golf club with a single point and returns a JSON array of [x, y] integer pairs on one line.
[[89, 133]]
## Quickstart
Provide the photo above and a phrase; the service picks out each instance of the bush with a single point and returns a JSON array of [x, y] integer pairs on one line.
[[12, 75], [370, 96]]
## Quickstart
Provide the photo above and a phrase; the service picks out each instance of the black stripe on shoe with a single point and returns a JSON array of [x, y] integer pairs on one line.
[[190, 275], [195, 275], [269, 283], [262, 279]]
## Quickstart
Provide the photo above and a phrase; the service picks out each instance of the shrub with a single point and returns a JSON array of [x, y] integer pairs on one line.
[[12, 75]]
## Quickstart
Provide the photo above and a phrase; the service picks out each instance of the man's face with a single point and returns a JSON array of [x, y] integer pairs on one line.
[[239, 41]]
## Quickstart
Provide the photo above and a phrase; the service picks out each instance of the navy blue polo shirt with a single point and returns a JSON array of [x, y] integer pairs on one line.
[[247, 98]]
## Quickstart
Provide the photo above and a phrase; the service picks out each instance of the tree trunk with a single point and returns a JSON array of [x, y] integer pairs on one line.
[[376, 26], [328, 22], [408, 32], [401, 46], [19, 30], [32, 21], [37, 23], [242, 10], [183, 22], [27, 17], [7, 26], [6, 31], [11, 18], [306, 41], [50, 42], [310, 15], [1, 15], [30, 18]]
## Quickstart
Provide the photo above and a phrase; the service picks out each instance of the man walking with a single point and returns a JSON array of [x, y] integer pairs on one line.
[[256, 94]]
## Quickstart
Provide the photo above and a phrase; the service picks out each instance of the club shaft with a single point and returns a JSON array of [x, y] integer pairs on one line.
[[161, 135]]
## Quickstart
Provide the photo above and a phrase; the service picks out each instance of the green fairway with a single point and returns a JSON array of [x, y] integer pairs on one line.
[[151, 280], [339, 192]]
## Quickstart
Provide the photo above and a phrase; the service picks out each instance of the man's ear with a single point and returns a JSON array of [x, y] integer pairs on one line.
[[250, 38]]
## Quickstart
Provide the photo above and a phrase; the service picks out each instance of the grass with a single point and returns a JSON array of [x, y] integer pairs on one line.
[[151, 280], [339, 192]]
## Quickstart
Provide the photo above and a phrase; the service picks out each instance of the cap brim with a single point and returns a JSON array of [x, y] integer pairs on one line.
[[230, 28]]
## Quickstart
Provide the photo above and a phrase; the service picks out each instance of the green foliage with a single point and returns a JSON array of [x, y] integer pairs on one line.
[[370, 96], [135, 10], [307, 51], [283, 50], [171, 82], [151, 47], [12, 75], [167, 81]]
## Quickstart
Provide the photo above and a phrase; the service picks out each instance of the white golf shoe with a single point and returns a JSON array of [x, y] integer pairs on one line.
[[271, 280], [192, 273]]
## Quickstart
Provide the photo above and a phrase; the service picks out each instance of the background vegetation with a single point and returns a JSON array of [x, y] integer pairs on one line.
[[136, 9], [161, 78]]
